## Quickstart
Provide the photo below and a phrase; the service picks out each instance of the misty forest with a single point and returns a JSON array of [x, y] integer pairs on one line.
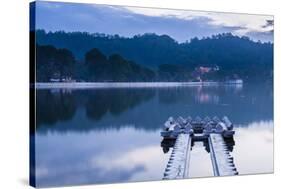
[[81, 56]]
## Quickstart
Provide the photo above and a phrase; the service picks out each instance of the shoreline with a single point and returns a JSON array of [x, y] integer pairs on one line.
[[85, 85]]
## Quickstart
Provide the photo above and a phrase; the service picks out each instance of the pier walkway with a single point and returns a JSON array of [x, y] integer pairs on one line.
[[177, 166], [180, 134]]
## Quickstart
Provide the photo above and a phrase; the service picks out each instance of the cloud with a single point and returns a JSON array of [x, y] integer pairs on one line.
[[129, 21], [240, 23], [269, 23]]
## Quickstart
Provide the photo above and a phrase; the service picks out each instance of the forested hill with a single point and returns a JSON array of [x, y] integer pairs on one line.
[[152, 49], [53, 63], [233, 55]]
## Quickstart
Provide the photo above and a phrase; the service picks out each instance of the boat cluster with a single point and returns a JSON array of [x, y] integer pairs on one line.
[[173, 127]]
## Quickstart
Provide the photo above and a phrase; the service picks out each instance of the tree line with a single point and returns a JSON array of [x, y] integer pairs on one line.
[[152, 57], [60, 65]]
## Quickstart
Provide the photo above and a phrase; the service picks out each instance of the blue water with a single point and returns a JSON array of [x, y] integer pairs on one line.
[[95, 136]]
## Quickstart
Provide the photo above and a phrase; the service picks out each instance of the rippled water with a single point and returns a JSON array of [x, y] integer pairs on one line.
[[96, 136]]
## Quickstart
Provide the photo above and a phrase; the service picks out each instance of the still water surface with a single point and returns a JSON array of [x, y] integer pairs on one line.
[[94, 136]]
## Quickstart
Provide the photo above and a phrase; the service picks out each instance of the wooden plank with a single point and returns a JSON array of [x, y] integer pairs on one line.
[[221, 159], [178, 164]]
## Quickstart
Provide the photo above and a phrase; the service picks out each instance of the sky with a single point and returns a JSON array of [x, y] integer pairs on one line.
[[182, 25]]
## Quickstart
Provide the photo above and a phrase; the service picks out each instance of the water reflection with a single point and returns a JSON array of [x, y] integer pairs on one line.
[[253, 150], [96, 102], [98, 157], [114, 101], [99, 109], [198, 154], [113, 135], [53, 106], [133, 155]]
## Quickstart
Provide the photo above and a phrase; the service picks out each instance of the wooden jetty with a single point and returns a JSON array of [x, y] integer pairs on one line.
[[176, 167], [180, 134]]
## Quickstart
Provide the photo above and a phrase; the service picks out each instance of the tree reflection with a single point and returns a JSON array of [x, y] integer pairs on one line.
[[54, 106], [111, 108], [100, 102], [60, 105]]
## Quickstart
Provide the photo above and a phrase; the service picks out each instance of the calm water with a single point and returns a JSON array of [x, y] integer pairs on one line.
[[113, 135]]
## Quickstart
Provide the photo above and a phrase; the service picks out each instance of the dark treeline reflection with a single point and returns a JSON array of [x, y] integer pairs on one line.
[[53, 106], [58, 105], [148, 108], [115, 102]]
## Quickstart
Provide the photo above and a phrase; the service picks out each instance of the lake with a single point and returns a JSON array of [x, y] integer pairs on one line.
[[108, 135]]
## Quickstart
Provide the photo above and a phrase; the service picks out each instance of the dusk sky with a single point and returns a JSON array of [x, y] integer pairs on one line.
[[129, 21]]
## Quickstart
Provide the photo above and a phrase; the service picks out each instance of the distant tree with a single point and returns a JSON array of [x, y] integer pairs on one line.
[[114, 68], [52, 62], [65, 63], [96, 65]]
